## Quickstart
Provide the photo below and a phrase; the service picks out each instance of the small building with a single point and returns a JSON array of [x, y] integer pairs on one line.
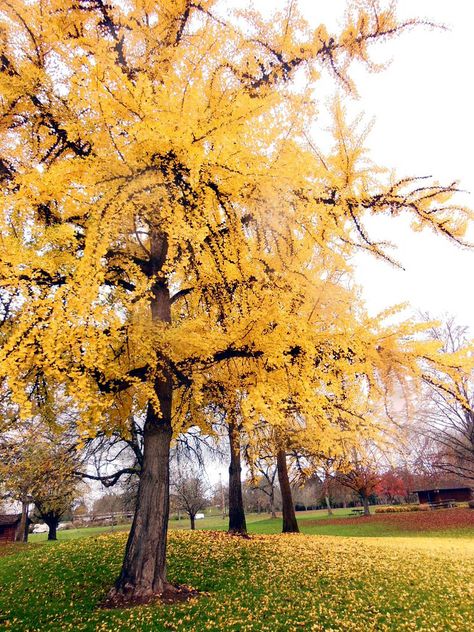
[[8, 527], [444, 495]]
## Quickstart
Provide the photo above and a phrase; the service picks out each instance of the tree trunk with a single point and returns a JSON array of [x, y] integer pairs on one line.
[[50, 518], [326, 493], [328, 505], [193, 522], [52, 531], [237, 522], [22, 531], [272, 504], [290, 524], [365, 502], [143, 574]]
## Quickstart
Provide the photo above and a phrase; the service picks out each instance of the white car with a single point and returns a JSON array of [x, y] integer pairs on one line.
[[40, 528], [199, 516], [64, 525]]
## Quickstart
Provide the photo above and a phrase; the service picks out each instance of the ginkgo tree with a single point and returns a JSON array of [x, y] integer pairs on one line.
[[158, 175]]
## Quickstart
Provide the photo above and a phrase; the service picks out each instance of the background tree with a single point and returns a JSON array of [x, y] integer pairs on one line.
[[110, 503], [80, 511], [58, 491], [446, 415], [190, 493], [264, 481], [392, 487], [306, 494], [360, 474], [325, 477], [37, 466], [219, 496]]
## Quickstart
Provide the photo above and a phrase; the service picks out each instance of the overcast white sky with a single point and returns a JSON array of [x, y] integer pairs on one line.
[[424, 125]]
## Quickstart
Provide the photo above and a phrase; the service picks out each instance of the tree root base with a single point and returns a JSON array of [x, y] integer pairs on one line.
[[120, 599], [239, 534]]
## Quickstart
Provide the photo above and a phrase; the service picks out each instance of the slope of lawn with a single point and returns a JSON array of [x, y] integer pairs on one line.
[[267, 583]]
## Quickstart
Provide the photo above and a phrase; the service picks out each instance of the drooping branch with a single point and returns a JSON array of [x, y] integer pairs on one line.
[[108, 480]]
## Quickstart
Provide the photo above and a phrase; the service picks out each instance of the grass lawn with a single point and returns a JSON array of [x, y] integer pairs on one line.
[[438, 524], [257, 523], [441, 523], [387, 573], [267, 583], [76, 534]]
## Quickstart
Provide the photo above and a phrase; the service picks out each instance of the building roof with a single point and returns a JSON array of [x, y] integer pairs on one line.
[[9, 519], [442, 489]]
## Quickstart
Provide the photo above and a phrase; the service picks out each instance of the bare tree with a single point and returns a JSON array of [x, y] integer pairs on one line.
[[264, 480], [189, 491], [323, 474], [447, 412], [118, 458]]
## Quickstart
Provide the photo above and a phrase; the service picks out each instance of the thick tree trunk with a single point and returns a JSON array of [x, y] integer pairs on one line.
[[52, 531], [237, 522], [22, 531], [143, 574], [51, 519], [193, 522], [365, 502], [290, 524]]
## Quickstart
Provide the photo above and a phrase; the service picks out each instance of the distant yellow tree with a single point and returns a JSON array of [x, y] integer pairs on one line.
[[37, 466], [158, 176]]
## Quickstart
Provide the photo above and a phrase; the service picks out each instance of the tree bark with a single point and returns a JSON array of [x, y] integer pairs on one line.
[[237, 522], [328, 505], [272, 504], [326, 493], [365, 502], [22, 531], [290, 524], [50, 518], [193, 522], [52, 531], [143, 574]]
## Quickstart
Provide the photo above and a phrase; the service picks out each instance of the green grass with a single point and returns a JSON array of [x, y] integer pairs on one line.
[[268, 583], [75, 534], [315, 523], [258, 523], [310, 522]]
